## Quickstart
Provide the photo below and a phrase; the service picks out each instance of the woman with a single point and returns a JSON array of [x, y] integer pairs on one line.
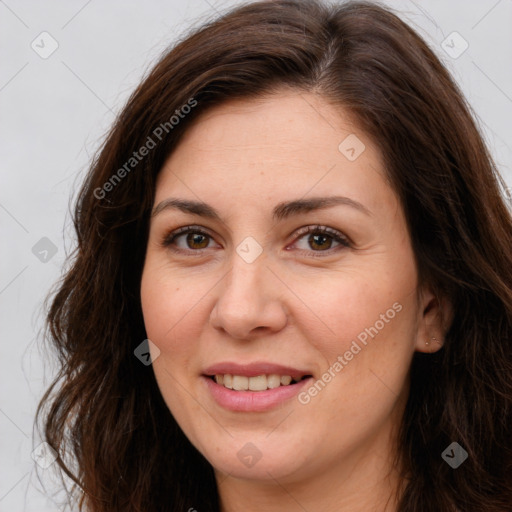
[[293, 282]]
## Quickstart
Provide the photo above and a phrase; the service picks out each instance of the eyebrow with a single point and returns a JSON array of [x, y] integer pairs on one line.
[[280, 212]]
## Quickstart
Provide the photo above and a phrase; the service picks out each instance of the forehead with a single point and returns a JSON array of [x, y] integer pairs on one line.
[[287, 143]]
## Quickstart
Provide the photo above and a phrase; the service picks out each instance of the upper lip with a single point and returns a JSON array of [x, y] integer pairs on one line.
[[255, 369]]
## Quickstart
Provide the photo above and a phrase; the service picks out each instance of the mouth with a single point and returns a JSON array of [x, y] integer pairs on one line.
[[254, 387], [258, 383]]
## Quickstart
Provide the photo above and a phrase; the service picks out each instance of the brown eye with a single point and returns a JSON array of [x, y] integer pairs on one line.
[[197, 241], [188, 238], [317, 239], [320, 242]]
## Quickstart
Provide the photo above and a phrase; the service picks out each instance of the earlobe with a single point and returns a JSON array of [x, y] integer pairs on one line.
[[435, 319], [432, 345]]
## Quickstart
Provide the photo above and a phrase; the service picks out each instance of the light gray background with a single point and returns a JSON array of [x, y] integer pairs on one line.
[[53, 113]]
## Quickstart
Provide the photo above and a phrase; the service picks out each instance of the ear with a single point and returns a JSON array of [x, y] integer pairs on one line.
[[434, 318]]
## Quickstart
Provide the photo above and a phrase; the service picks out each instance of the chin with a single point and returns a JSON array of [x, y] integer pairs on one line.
[[256, 458]]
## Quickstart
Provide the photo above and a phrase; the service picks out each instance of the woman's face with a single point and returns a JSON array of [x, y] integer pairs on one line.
[[277, 249]]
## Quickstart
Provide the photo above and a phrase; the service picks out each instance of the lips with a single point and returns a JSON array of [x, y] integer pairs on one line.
[[255, 370], [253, 387]]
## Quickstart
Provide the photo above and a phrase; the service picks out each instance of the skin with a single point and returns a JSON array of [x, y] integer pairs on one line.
[[300, 303]]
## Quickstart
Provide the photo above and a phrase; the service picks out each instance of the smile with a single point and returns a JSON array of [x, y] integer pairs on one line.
[[258, 383], [255, 387]]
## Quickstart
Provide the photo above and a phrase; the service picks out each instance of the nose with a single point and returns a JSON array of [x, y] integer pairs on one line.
[[249, 301]]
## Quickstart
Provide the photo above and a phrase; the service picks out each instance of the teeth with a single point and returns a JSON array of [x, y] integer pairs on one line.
[[285, 380], [273, 381], [240, 383], [259, 383]]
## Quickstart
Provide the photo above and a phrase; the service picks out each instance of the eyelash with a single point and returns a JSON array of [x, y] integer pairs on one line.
[[169, 239]]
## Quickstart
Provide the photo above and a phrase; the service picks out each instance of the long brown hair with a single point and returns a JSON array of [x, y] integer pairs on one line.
[[104, 412]]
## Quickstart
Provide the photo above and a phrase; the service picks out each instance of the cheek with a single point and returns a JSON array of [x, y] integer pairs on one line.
[[361, 305], [170, 308], [366, 316]]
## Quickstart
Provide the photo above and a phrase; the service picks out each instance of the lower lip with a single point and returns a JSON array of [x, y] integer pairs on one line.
[[252, 401]]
